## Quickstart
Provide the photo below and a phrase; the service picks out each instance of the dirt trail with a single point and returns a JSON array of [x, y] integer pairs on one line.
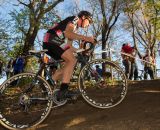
[[140, 110]]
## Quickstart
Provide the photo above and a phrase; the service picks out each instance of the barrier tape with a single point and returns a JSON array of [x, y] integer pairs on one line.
[[126, 54]]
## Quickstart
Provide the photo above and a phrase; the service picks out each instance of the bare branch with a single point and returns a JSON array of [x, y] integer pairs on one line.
[[114, 6], [52, 6], [142, 24], [110, 27], [27, 5], [140, 35]]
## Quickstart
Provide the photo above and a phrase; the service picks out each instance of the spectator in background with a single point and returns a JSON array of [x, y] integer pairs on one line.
[[9, 68], [99, 70], [134, 67], [128, 56], [18, 65], [148, 65], [126, 50]]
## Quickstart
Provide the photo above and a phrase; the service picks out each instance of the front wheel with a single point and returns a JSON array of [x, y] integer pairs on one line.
[[25, 101], [102, 88]]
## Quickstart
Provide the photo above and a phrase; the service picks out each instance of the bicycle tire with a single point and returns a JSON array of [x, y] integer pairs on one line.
[[20, 109], [106, 91]]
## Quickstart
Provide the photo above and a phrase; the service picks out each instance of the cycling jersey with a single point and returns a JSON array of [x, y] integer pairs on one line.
[[56, 35]]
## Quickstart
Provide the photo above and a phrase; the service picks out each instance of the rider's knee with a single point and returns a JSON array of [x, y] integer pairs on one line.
[[71, 60]]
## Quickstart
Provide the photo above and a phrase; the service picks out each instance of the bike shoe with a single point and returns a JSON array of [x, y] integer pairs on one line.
[[67, 94]]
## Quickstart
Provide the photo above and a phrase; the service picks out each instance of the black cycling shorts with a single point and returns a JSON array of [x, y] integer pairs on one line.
[[54, 50]]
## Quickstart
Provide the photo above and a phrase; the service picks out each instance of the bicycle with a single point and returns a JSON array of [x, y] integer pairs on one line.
[[28, 98]]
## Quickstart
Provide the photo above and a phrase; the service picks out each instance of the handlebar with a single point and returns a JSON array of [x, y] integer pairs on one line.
[[91, 46]]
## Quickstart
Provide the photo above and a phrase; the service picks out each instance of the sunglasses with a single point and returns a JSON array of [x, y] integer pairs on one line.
[[89, 19]]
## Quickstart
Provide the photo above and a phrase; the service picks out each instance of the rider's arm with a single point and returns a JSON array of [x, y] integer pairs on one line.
[[69, 33]]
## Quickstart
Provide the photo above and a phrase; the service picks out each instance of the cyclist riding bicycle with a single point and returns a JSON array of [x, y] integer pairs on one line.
[[58, 41]]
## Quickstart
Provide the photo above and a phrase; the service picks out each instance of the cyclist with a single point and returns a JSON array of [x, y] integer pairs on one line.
[[148, 65], [58, 40]]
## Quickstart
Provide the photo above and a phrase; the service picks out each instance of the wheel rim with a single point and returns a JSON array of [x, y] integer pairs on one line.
[[24, 110], [98, 95]]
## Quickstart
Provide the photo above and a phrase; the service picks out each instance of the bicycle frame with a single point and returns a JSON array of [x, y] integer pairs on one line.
[[80, 59]]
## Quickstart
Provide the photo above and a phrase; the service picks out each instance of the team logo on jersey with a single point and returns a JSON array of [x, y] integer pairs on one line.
[[75, 20]]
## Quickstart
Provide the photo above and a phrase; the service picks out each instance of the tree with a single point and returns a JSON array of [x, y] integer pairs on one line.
[[144, 22], [4, 37], [35, 12], [106, 14]]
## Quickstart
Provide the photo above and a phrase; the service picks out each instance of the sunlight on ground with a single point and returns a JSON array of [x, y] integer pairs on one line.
[[39, 126], [152, 91], [75, 121], [148, 91]]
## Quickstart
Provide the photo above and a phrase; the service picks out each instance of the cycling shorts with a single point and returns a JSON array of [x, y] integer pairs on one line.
[[54, 50], [55, 46]]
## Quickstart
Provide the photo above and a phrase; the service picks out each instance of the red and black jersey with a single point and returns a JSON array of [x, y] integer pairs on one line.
[[56, 33], [61, 26]]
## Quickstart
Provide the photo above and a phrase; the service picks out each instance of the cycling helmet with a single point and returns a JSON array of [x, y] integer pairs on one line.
[[87, 14]]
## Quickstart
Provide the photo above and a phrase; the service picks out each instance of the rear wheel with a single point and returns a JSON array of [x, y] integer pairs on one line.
[[102, 90], [25, 101]]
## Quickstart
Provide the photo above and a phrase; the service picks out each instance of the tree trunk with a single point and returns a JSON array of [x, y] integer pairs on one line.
[[29, 41]]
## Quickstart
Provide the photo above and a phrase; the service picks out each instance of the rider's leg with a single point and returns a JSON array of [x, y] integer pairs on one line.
[[67, 55], [65, 73], [57, 75], [70, 62]]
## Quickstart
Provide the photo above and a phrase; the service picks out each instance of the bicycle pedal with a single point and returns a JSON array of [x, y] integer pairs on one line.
[[73, 98], [72, 101]]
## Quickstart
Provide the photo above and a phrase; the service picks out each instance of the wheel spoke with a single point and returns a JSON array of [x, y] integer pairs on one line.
[[19, 109], [103, 91]]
